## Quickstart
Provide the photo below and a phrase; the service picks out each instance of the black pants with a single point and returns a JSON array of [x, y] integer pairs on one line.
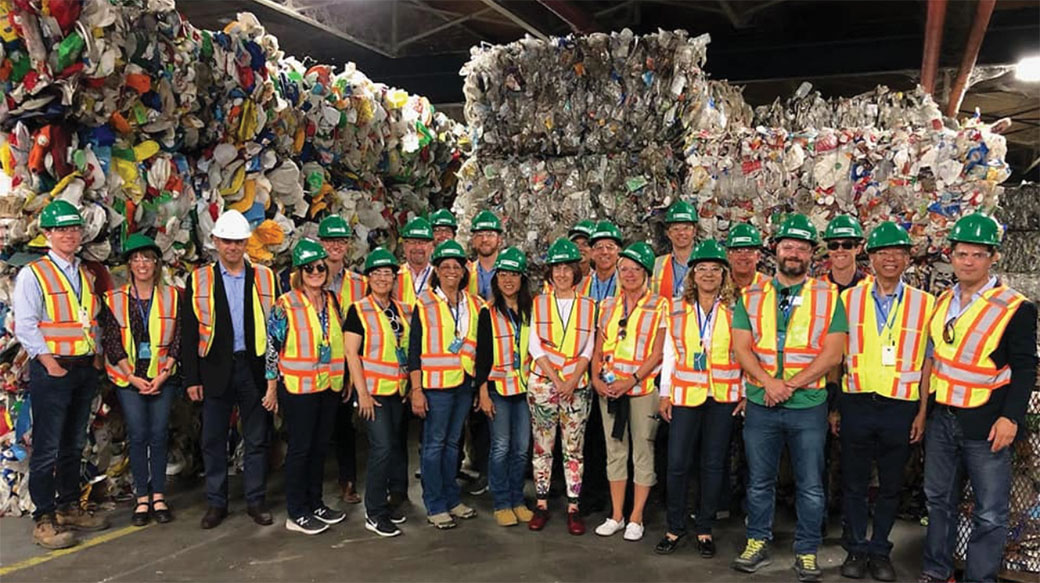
[[386, 467], [346, 442], [309, 420], [595, 490]]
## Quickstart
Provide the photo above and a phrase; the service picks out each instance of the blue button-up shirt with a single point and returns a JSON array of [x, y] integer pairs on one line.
[[883, 304], [484, 281], [235, 292], [28, 304], [602, 289], [956, 309]]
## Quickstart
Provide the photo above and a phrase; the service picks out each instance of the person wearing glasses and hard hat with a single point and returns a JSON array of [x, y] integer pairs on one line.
[[377, 330], [579, 234], [670, 269], [417, 238], [743, 252], [844, 240], [445, 226], [602, 281], [787, 334], [55, 313], [983, 372], [224, 341], [881, 409]]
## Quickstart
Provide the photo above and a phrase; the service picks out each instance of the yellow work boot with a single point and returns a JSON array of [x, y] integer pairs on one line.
[[505, 517], [76, 518], [49, 535], [523, 514]]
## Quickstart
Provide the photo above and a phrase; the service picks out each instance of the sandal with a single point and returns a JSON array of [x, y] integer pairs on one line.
[[162, 515], [140, 517]]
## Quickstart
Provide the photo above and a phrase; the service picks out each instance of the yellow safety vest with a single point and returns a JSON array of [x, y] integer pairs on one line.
[[759, 280], [584, 286], [721, 375], [69, 324], [625, 355], [203, 305], [563, 341], [441, 368], [351, 289], [963, 374], [404, 287], [662, 282], [867, 279], [508, 379], [162, 323], [806, 327], [906, 332], [300, 362], [384, 374], [473, 285]]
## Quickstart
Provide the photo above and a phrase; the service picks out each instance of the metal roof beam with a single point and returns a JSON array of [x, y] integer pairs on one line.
[[517, 20], [575, 17], [292, 13]]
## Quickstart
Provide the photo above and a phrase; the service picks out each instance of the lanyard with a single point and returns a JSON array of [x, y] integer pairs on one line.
[[515, 329], [422, 282], [559, 314], [457, 312], [143, 312], [602, 290], [890, 319], [323, 319], [704, 327], [79, 278]]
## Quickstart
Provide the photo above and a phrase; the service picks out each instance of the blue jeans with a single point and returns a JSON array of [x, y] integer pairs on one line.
[[60, 413], [705, 429], [804, 431], [386, 462], [440, 449], [510, 440], [147, 420], [947, 458]]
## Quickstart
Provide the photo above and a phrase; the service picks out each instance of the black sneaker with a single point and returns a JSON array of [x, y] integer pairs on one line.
[[397, 516], [881, 568], [382, 527], [306, 524], [855, 566], [478, 486], [328, 515], [754, 557], [806, 568]]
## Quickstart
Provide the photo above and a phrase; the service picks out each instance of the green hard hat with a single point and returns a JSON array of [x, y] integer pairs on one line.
[[449, 250], [60, 213], [444, 218], [139, 242], [606, 230], [743, 235], [380, 257], [642, 254], [334, 227], [562, 251], [511, 259], [582, 229], [797, 226], [843, 227], [681, 212], [418, 228], [709, 250], [888, 234], [976, 228], [307, 251], [486, 221]]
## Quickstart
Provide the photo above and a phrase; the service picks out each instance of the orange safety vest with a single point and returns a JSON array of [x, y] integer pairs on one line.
[[625, 355], [690, 387], [563, 341], [203, 305], [508, 379], [663, 281], [384, 374], [441, 368], [758, 280], [867, 278], [299, 362], [963, 374], [865, 371], [404, 287], [351, 289], [162, 323], [69, 323]]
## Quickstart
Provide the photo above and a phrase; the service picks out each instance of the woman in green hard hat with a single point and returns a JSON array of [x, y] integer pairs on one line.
[[376, 333], [305, 374], [629, 347], [502, 369], [141, 336]]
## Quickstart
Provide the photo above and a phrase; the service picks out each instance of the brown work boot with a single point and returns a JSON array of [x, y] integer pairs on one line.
[[76, 518], [49, 535]]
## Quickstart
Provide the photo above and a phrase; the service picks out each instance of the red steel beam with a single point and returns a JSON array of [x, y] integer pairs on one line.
[[933, 33], [971, 53], [575, 17]]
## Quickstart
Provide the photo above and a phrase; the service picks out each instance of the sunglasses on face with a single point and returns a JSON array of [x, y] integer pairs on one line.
[[846, 245], [312, 267]]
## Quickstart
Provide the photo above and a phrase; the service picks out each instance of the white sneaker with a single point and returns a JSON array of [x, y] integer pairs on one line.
[[610, 527], [634, 531]]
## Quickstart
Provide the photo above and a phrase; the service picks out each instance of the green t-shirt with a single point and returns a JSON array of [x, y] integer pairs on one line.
[[801, 398]]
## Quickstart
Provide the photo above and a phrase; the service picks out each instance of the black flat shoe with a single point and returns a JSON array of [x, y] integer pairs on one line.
[[706, 548], [162, 515], [139, 517], [667, 546]]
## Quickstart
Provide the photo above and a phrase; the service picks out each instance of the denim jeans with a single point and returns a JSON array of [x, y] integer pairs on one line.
[[510, 440], [309, 421], [684, 433], [345, 438], [386, 463], [804, 431], [947, 458], [716, 432], [147, 422], [440, 448], [705, 431], [60, 413]]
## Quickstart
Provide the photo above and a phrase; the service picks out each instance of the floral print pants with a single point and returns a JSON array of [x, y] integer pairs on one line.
[[549, 411]]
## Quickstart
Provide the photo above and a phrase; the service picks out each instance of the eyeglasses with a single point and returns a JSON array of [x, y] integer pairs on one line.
[[232, 242], [312, 267], [69, 229], [142, 259], [949, 334], [742, 250], [382, 273], [712, 269], [846, 245], [977, 255], [605, 247], [795, 248]]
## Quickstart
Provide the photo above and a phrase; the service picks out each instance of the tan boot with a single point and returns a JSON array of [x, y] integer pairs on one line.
[[523, 514], [505, 517], [78, 519], [49, 535]]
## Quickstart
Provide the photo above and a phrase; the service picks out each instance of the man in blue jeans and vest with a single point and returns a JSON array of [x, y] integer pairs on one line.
[[787, 333], [983, 371]]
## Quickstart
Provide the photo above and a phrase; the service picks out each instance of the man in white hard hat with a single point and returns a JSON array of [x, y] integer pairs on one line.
[[226, 305]]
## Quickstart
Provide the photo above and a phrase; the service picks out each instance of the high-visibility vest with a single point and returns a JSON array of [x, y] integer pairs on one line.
[[864, 371], [205, 312], [442, 369], [351, 289], [662, 282], [721, 377], [62, 325], [590, 279], [625, 356], [563, 341], [384, 375], [758, 280], [300, 362], [404, 287], [584, 286], [963, 374], [473, 285], [508, 379], [867, 279], [162, 323], [806, 327]]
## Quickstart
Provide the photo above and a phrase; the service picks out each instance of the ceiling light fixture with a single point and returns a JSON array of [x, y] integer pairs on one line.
[[1028, 69]]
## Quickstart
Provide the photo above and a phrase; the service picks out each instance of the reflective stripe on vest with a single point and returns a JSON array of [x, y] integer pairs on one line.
[[441, 369], [299, 361], [563, 347], [865, 372], [963, 374], [690, 386], [383, 374], [663, 281], [624, 356], [202, 304], [61, 325], [351, 289], [162, 323], [508, 380]]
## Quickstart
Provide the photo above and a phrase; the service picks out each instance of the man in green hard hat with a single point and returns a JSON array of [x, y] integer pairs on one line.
[[844, 240], [486, 238], [670, 269], [55, 312], [445, 226], [606, 244], [744, 251], [580, 234], [414, 277]]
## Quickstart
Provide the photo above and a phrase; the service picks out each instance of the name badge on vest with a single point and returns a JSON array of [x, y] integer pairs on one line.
[[456, 346], [84, 318], [796, 301], [144, 350], [888, 356], [324, 353], [516, 361], [402, 357], [700, 361]]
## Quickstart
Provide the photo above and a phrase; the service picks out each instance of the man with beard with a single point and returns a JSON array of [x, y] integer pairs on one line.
[[417, 239], [744, 251], [670, 269], [786, 340], [844, 237], [486, 230], [445, 227]]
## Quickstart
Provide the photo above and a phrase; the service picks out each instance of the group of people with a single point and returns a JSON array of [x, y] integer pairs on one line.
[[697, 338]]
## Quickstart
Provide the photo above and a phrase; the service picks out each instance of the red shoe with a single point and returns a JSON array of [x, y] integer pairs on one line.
[[575, 524], [541, 516]]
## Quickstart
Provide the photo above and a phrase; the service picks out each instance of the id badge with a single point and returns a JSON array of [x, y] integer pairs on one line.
[[516, 361], [402, 357], [796, 301], [456, 346], [144, 350], [700, 361], [888, 356], [324, 354], [84, 317]]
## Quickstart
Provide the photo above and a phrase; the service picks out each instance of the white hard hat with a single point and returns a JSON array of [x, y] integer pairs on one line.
[[232, 225]]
